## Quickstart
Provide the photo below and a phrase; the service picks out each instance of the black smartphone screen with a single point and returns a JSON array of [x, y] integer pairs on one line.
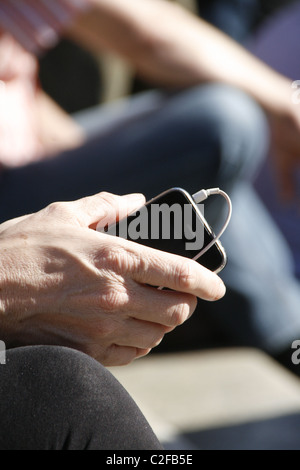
[[172, 222]]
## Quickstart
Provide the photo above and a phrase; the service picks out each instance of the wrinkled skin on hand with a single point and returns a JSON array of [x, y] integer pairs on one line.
[[64, 283]]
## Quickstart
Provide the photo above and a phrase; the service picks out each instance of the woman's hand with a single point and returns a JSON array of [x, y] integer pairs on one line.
[[63, 283]]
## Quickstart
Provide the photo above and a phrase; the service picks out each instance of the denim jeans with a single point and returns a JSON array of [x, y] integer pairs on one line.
[[202, 137], [281, 29]]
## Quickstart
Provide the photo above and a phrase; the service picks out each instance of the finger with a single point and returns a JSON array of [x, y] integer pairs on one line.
[[119, 207], [140, 334], [120, 355], [167, 308], [104, 207], [161, 269]]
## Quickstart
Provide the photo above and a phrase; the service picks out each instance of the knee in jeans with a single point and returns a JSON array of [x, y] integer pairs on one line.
[[234, 126], [242, 130]]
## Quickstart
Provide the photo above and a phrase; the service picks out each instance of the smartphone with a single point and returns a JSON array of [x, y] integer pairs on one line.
[[174, 223]]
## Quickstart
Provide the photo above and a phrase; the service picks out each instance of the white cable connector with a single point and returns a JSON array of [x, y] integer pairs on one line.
[[201, 196]]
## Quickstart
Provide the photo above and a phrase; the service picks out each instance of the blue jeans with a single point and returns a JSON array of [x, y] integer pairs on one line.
[[203, 137]]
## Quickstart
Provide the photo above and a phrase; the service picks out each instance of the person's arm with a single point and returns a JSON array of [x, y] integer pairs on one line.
[[63, 283], [172, 47]]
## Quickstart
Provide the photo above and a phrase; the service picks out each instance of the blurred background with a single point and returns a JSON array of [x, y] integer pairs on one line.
[[202, 393], [67, 69]]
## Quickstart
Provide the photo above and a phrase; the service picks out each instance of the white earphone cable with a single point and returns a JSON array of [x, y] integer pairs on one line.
[[201, 196]]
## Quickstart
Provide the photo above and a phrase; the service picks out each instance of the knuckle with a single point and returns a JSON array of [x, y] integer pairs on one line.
[[112, 202], [114, 298], [115, 355], [58, 209], [108, 197], [121, 260], [185, 276], [180, 315]]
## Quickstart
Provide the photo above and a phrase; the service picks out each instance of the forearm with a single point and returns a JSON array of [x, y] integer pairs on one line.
[[173, 48]]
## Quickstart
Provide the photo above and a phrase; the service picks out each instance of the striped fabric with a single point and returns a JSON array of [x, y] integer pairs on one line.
[[27, 28], [36, 24]]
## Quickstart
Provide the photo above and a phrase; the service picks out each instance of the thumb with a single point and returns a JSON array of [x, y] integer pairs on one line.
[[105, 208]]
